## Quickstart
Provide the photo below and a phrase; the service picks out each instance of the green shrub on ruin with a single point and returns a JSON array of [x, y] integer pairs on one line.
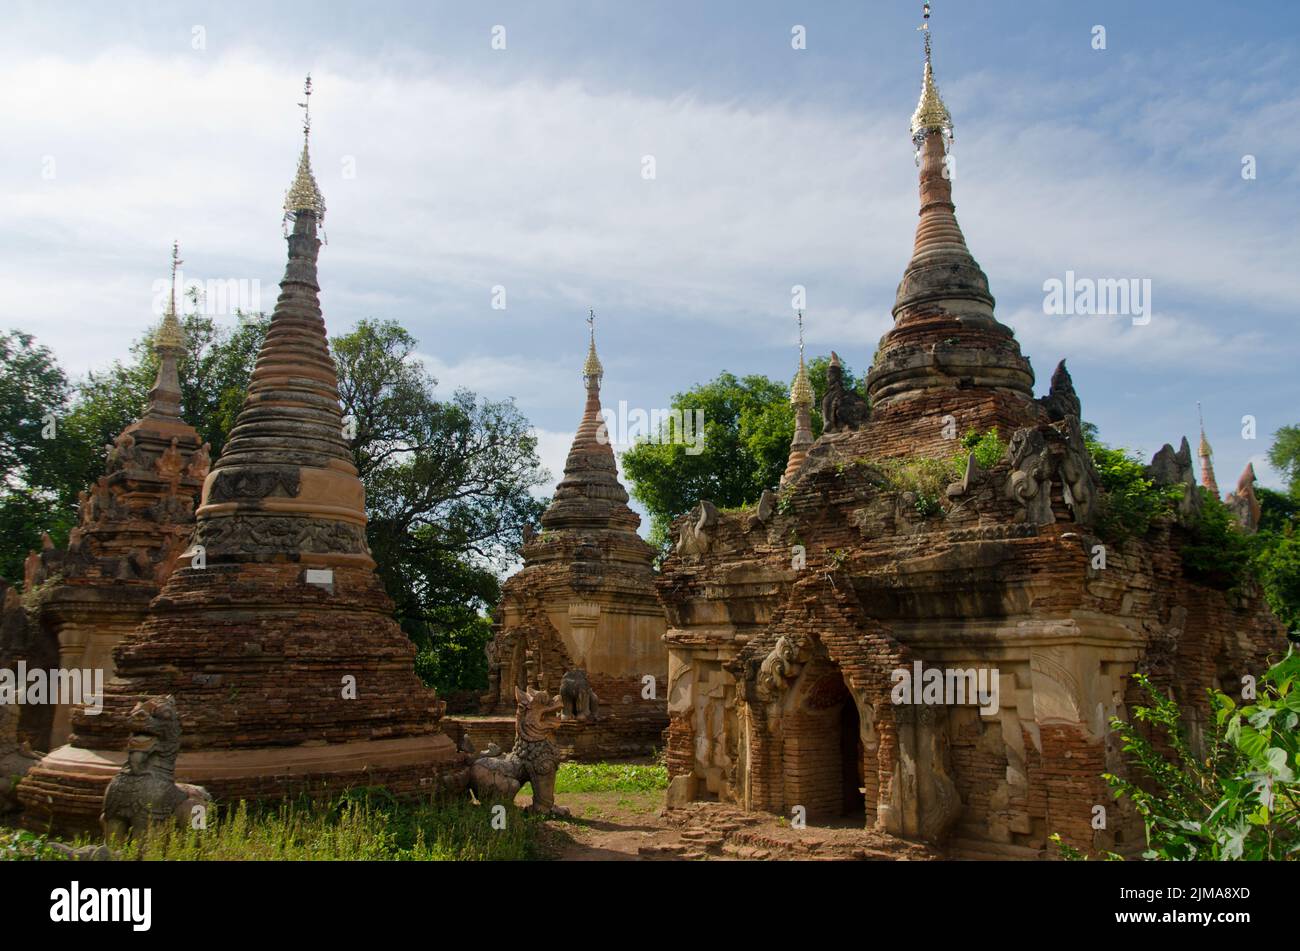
[[988, 447]]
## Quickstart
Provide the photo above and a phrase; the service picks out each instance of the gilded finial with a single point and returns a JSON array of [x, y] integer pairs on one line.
[[169, 335], [801, 393], [304, 194], [931, 114], [592, 370]]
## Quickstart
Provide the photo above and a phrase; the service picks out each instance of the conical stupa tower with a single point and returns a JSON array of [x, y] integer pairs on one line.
[[947, 355], [132, 522], [585, 599], [273, 632], [1206, 455]]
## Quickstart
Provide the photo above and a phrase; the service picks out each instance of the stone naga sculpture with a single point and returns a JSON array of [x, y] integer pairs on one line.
[[16, 758], [778, 668], [696, 535], [145, 791], [534, 757], [579, 700]]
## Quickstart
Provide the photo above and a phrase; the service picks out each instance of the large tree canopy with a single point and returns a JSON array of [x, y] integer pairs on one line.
[[448, 490], [748, 427], [1285, 456], [33, 399]]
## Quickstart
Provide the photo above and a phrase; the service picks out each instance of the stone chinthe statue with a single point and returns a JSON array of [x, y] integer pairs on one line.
[[145, 793], [533, 758]]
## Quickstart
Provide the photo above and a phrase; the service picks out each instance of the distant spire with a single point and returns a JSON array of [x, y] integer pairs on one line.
[[592, 371], [801, 391], [169, 332], [1205, 452], [304, 194], [169, 345], [801, 398]]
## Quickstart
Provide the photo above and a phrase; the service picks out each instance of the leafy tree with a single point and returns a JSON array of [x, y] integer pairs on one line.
[[1239, 798], [1277, 555], [1285, 456], [32, 390], [1278, 512], [33, 393], [748, 426], [448, 490]]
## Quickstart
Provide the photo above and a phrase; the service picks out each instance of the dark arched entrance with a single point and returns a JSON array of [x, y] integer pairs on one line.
[[824, 759]]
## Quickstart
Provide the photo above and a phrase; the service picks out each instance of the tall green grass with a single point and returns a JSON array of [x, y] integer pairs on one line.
[[363, 826]]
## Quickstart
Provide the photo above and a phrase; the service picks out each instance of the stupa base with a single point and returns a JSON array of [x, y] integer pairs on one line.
[[64, 792]]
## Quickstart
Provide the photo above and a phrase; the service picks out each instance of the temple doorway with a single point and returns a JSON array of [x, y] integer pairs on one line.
[[823, 749]]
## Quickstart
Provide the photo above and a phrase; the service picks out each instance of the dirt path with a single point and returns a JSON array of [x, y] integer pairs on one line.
[[624, 827]]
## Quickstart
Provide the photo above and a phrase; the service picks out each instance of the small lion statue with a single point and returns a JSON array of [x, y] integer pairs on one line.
[[580, 701], [534, 757], [16, 758], [145, 791]]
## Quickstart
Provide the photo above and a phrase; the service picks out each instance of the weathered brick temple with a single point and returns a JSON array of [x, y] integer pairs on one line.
[[792, 624], [132, 524], [583, 601], [273, 633]]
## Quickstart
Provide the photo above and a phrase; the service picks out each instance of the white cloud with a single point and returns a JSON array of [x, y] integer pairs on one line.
[[463, 184]]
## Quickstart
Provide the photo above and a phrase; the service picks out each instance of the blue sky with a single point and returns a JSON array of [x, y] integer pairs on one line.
[[449, 168]]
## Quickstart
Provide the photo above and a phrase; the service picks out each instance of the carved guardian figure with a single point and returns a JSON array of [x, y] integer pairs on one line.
[[579, 700], [145, 791], [533, 759], [842, 408]]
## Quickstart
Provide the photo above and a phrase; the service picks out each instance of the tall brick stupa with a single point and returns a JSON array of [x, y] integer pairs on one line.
[[585, 600], [273, 633]]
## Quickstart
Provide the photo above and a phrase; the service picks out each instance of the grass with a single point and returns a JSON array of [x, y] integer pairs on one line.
[[607, 777], [366, 825]]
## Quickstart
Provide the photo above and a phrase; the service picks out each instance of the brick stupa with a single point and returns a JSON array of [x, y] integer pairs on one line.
[[131, 525], [289, 672], [585, 598]]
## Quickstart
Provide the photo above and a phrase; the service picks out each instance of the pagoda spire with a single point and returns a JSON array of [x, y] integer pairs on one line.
[[801, 398], [1206, 454], [169, 345], [946, 345], [942, 274], [590, 495], [290, 427]]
